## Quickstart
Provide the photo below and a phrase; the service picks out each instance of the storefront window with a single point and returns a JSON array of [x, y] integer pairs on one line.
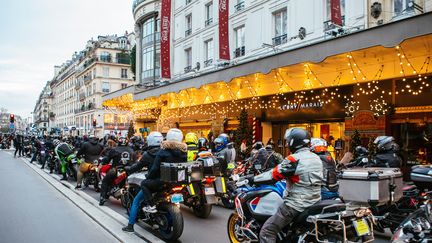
[[415, 141]]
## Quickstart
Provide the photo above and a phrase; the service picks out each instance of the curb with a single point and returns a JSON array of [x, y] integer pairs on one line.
[[108, 219]]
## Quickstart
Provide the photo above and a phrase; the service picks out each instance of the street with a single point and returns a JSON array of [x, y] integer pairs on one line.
[[34, 211], [29, 197]]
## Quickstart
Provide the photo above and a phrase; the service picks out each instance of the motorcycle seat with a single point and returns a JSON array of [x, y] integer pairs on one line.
[[317, 208]]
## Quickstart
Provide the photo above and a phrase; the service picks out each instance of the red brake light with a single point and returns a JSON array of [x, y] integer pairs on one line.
[[177, 188]]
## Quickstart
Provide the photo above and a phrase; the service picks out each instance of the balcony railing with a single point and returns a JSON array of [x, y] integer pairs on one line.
[[279, 40], [188, 32], [208, 22], [329, 25], [208, 62], [188, 1], [239, 7], [87, 78], [239, 52]]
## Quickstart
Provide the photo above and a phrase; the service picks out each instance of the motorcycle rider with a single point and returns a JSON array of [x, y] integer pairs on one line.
[[172, 151], [64, 153], [226, 151], [120, 156], [91, 151], [387, 153], [303, 171], [191, 140], [273, 158], [48, 146], [18, 143], [154, 140], [330, 186], [260, 155]]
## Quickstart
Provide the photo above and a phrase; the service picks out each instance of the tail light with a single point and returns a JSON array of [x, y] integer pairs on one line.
[[209, 180], [177, 189]]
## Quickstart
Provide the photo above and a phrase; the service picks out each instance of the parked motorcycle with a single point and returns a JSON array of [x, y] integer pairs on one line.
[[325, 221], [416, 227], [168, 219], [118, 189], [91, 176]]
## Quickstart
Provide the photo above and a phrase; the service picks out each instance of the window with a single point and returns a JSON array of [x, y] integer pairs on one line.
[[105, 87], [94, 73], [123, 85], [239, 37], [94, 88], [188, 55], [342, 6], [399, 6], [209, 13], [124, 73], [209, 50], [188, 26], [105, 57], [123, 43], [188, 1], [106, 72], [148, 31], [280, 27], [239, 6]]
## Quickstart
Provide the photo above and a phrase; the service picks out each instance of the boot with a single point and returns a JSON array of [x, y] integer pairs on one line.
[[64, 178], [128, 228], [102, 201]]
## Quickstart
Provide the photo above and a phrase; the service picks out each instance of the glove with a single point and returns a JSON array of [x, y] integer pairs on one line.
[[127, 170]]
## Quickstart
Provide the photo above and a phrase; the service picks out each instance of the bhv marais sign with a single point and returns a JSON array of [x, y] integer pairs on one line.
[[301, 106]]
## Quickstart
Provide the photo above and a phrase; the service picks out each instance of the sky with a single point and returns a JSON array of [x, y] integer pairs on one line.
[[37, 35]]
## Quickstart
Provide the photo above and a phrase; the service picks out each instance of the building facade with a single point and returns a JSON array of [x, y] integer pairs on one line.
[[43, 111], [291, 65], [79, 84]]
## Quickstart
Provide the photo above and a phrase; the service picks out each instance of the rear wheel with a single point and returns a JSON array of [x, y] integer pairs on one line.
[[170, 222], [233, 229], [202, 210]]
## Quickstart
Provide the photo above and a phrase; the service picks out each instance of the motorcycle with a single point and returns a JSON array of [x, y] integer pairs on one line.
[[325, 221], [72, 167], [168, 219], [91, 176], [118, 189], [416, 227]]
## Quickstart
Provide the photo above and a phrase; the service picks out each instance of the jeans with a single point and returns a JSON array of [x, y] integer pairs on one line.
[[35, 153], [133, 213], [276, 223]]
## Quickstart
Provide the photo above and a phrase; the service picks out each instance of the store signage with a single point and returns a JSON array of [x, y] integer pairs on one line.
[[165, 39], [224, 51], [336, 16], [301, 106]]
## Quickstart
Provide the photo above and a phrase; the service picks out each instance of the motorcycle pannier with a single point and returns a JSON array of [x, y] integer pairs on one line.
[[371, 186], [421, 175], [176, 173], [211, 166]]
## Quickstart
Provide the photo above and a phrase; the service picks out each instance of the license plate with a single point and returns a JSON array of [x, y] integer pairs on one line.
[[257, 167], [176, 198], [209, 191], [42, 152], [361, 227]]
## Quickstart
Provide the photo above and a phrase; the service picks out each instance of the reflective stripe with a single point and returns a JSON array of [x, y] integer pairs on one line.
[[223, 184], [191, 189]]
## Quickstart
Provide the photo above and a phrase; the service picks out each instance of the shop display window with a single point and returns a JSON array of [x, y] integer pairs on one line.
[[415, 141]]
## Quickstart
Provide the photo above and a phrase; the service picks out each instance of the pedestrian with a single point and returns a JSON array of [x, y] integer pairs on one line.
[[17, 145], [243, 149], [270, 142]]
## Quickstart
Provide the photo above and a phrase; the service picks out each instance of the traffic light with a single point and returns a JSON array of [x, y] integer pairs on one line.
[[94, 122], [12, 118]]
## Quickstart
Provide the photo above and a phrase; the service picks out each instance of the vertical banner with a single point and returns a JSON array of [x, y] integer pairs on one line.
[[165, 39], [335, 10], [224, 51]]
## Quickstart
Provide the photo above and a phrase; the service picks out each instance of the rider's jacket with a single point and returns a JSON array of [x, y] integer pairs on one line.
[[91, 150], [146, 160], [304, 173], [63, 150], [388, 159], [120, 156], [192, 152], [329, 171]]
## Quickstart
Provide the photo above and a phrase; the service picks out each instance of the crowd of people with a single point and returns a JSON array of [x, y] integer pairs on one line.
[[310, 168]]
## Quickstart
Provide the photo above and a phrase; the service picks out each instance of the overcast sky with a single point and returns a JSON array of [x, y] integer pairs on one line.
[[36, 35]]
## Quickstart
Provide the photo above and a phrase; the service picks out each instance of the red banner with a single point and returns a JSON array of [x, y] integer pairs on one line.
[[335, 10], [165, 39], [224, 51]]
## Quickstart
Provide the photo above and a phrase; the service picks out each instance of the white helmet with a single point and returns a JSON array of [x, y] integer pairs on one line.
[[174, 134], [154, 139]]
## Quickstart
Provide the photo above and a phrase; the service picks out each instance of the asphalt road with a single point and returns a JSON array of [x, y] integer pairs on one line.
[[196, 230], [33, 211]]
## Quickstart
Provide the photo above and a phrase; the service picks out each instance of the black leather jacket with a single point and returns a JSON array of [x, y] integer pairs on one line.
[[388, 159], [146, 160], [120, 156], [91, 150]]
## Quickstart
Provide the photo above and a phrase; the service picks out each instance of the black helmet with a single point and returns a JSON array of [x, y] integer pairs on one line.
[[258, 145], [122, 141], [297, 138], [202, 144], [385, 143], [361, 150]]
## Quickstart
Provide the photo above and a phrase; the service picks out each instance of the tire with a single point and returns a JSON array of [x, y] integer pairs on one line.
[[203, 210], [173, 222], [231, 229]]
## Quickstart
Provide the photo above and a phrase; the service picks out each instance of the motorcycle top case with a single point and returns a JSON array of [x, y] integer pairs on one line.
[[371, 186], [181, 173], [211, 166]]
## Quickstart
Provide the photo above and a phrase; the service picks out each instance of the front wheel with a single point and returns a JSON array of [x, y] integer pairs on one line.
[[202, 210], [233, 229], [170, 222]]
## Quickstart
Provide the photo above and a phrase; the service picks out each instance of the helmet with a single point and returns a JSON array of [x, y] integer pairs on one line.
[[154, 139], [297, 138], [385, 143], [318, 145], [219, 144], [56, 142], [191, 139], [258, 145], [122, 141], [202, 144], [361, 150], [134, 139], [224, 138], [174, 134]]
